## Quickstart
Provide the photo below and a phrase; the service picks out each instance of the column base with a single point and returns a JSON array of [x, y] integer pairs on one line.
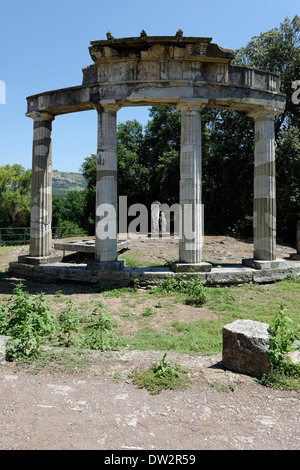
[[105, 265], [295, 256], [179, 267], [265, 264], [38, 260]]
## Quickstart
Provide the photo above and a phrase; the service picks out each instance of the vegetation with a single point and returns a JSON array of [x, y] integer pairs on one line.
[[160, 376], [39, 327], [285, 338], [30, 323], [63, 182], [148, 169], [15, 184]]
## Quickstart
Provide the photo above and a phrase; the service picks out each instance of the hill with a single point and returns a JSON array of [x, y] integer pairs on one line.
[[63, 182]]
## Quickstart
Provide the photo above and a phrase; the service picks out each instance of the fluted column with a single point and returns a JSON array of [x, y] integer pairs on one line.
[[106, 248], [190, 242], [264, 207], [41, 188]]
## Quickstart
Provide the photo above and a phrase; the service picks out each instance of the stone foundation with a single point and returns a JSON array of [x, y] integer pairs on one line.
[[123, 276]]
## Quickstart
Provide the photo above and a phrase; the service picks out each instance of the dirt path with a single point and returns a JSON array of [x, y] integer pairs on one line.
[[92, 410]]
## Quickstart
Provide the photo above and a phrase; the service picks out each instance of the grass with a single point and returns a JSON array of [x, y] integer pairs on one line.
[[134, 261], [280, 380], [4, 249], [117, 312]]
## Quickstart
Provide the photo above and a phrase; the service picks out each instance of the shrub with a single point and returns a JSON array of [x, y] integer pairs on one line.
[[27, 321], [284, 339], [160, 376]]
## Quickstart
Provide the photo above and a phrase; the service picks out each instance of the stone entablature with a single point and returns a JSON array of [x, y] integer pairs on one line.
[[164, 70]]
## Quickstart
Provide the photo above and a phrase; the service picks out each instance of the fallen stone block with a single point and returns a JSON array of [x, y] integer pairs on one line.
[[245, 345]]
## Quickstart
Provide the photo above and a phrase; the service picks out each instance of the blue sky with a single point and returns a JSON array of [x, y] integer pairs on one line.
[[44, 46]]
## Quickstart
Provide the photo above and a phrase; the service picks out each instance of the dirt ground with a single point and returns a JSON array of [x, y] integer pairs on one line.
[[101, 409]]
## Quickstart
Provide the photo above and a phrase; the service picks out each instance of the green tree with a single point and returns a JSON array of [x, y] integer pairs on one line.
[[15, 184], [88, 169], [133, 173], [278, 50], [162, 146]]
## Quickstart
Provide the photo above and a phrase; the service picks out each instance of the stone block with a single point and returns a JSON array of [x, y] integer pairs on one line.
[[270, 275], [190, 267], [245, 345], [3, 341], [151, 276], [265, 264], [232, 275], [78, 274], [38, 260], [119, 278], [106, 266], [19, 269]]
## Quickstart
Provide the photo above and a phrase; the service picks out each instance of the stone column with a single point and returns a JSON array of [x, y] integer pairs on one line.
[[106, 247], [264, 207], [264, 204], [41, 188], [191, 239]]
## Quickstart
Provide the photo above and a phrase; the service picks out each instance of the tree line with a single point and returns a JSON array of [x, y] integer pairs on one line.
[[149, 157]]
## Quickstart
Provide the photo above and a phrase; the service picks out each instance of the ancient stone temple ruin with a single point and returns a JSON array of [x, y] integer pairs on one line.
[[191, 73]]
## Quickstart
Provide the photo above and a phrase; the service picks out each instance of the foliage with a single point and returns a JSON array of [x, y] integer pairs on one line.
[[228, 155], [287, 181], [88, 169], [284, 339], [30, 323], [98, 334], [67, 229], [194, 290], [69, 208], [160, 376], [68, 325], [27, 321], [15, 185], [278, 50]]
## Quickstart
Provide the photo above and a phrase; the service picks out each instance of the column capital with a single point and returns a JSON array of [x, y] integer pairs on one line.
[[107, 105], [263, 113], [41, 116], [192, 104]]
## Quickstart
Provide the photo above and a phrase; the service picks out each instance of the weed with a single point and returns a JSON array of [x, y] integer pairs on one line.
[[68, 360], [117, 376], [219, 387], [284, 339], [27, 321], [148, 311], [135, 284], [160, 376], [193, 289], [97, 332], [68, 326]]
